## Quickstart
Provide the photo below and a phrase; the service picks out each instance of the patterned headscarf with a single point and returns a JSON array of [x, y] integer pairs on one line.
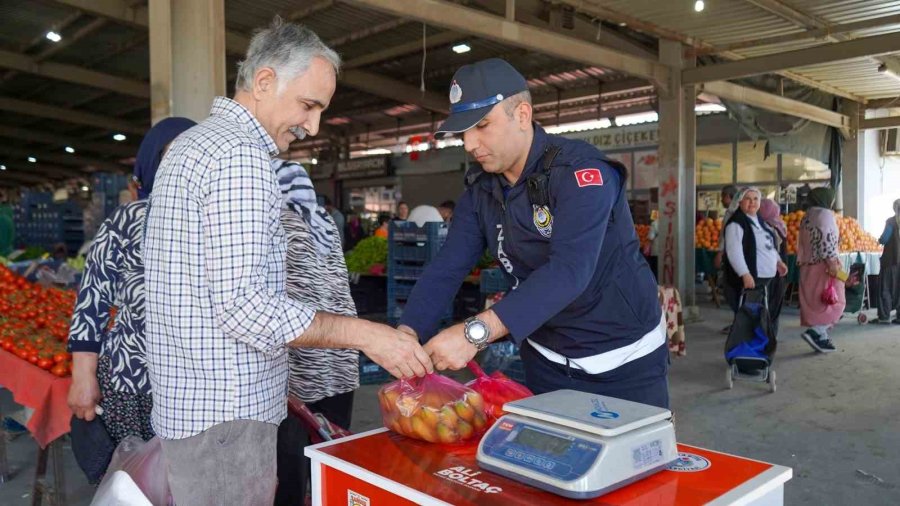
[[300, 196], [771, 214]]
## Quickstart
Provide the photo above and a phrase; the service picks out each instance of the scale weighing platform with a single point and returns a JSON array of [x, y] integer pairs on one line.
[[578, 445], [380, 468]]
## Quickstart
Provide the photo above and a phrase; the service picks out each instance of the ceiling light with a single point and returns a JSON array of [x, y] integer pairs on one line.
[[70, 150], [623, 24], [699, 5], [883, 68], [461, 48], [314, 161], [32, 159], [53, 36], [119, 137], [2, 167], [84, 188]]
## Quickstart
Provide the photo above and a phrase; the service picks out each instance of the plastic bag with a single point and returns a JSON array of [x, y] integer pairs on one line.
[[496, 390], [144, 463], [433, 408], [320, 429], [829, 295]]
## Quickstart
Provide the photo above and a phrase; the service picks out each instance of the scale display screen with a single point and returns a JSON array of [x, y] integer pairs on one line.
[[543, 442]]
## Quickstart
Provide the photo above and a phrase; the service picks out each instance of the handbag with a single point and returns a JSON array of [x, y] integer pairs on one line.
[[93, 447], [830, 295]]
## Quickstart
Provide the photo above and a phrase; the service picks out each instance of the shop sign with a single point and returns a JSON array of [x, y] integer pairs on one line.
[[621, 138], [373, 166]]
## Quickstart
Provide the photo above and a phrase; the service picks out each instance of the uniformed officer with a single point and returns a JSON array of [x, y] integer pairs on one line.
[[554, 212]]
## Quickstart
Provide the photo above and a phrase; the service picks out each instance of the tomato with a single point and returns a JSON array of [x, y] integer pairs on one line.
[[45, 363], [60, 357], [60, 370]]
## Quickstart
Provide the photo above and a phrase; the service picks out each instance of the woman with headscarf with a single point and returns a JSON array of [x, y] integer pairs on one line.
[[770, 213], [751, 249], [889, 278], [817, 256], [109, 366], [730, 205], [324, 379]]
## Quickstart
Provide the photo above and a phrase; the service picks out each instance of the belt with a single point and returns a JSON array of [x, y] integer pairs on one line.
[[604, 362]]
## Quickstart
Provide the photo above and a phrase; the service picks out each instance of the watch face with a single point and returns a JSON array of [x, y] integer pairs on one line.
[[477, 331]]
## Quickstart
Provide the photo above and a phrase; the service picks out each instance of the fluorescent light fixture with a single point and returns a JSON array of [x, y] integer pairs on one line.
[[119, 137], [70, 150], [53, 36], [2, 167], [84, 188], [461, 48], [32, 159], [370, 152], [699, 5], [314, 161], [580, 126], [709, 107], [637, 119]]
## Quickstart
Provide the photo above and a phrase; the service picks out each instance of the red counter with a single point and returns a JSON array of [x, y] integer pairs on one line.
[[380, 468]]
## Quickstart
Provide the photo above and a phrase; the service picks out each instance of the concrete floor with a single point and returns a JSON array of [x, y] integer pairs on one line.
[[835, 419]]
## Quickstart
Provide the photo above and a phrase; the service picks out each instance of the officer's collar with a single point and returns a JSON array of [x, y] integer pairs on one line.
[[538, 143]]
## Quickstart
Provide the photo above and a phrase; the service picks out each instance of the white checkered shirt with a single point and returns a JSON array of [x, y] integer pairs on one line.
[[217, 314]]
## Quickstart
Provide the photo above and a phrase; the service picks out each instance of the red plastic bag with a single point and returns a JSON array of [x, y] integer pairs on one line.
[[433, 408], [496, 389], [829, 295]]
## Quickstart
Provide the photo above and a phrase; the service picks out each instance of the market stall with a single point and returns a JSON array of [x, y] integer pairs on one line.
[[380, 467]]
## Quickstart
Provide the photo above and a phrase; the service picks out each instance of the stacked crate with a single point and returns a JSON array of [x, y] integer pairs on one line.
[[410, 249]]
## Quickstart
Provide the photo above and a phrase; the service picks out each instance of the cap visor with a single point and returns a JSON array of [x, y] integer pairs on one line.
[[461, 121]]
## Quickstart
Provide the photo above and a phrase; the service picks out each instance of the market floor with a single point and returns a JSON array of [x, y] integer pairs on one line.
[[835, 419]]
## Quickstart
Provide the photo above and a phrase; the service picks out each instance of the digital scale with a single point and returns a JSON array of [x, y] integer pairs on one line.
[[578, 445]]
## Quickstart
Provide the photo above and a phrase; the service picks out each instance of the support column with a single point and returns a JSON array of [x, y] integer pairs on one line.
[[187, 57], [853, 163], [677, 190]]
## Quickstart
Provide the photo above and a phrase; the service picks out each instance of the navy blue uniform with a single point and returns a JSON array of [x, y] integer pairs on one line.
[[580, 287]]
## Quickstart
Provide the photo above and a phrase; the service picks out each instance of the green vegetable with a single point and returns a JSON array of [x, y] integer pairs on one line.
[[76, 263], [368, 252]]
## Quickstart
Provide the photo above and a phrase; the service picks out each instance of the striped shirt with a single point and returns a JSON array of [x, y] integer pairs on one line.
[[218, 317], [321, 283]]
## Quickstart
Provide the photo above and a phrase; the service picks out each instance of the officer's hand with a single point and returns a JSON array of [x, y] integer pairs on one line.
[[450, 349]]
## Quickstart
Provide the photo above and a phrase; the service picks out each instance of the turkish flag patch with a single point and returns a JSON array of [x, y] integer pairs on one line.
[[588, 177]]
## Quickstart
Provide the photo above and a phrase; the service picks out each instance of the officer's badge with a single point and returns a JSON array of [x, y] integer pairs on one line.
[[543, 220], [455, 92]]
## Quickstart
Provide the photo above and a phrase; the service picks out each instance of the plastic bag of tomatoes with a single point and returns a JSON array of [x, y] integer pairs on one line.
[[433, 408], [496, 389]]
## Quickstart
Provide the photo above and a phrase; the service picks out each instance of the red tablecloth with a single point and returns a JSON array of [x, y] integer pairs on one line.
[[41, 391]]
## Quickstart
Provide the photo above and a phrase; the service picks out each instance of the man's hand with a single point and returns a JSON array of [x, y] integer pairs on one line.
[[450, 349], [717, 261], [782, 269], [749, 283], [84, 394], [397, 352]]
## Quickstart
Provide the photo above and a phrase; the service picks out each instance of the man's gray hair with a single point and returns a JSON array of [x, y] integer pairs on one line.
[[510, 104], [286, 48]]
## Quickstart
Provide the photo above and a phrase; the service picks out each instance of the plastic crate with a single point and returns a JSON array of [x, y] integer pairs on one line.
[[371, 373], [405, 271], [395, 309], [408, 242], [494, 281], [399, 289]]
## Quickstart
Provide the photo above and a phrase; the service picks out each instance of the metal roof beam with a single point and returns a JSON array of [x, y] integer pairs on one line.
[[68, 115], [73, 74], [12, 177], [775, 103], [856, 48], [75, 161], [117, 10], [497, 28], [883, 103], [44, 137], [403, 49], [879, 123], [395, 90], [789, 13]]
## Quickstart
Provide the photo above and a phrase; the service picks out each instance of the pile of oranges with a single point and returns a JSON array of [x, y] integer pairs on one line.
[[853, 238], [792, 220], [707, 234]]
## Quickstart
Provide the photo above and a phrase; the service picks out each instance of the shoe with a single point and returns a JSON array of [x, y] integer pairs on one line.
[[826, 346], [812, 339]]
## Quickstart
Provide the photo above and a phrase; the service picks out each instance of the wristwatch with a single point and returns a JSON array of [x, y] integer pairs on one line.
[[477, 333]]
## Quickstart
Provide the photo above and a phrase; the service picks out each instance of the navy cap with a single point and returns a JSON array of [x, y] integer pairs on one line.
[[477, 88]]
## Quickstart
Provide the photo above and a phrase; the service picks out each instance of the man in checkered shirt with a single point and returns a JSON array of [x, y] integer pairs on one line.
[[218, 318]]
